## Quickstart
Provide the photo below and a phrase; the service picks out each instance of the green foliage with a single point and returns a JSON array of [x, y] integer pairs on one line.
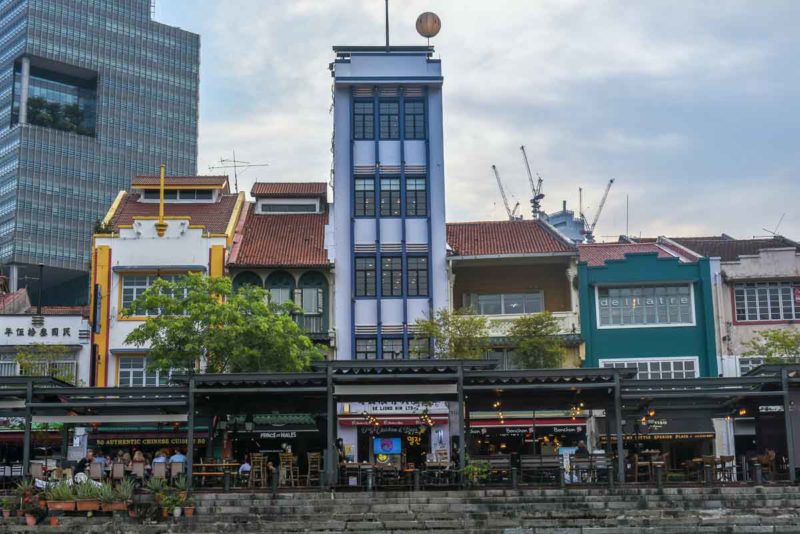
[[60, 492], [169, 501], [536, 341], [477, 471], [87, 491], [235, 331], [456, 334], [125, 489], [779, 345], [155, 485], [26, 486], [180, 483], [106, 493], [8, 503], [36, 359], [65, 117]]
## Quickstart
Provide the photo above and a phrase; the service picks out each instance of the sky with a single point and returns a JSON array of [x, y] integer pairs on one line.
[[692, 107]]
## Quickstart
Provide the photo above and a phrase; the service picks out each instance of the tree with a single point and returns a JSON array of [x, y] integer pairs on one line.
[[456, 334], [37, 359], [234, 331], [779, 345], [536, 341]]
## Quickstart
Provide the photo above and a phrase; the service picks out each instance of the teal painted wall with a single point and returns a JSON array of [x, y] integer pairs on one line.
[[644, 342]]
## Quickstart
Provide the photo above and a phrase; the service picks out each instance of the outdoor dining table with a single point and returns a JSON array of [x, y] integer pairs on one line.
[[215, 470]]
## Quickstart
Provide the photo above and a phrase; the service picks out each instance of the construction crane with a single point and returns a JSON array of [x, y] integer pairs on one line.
[[512, 214], [536, 188], [236, 165], [589, 228]]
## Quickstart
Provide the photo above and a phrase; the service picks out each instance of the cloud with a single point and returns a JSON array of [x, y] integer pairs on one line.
[[690, 106]]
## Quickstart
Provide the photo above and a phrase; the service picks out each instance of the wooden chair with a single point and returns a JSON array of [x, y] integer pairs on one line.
[[159, 470], [95, 471], [176, 469], [640, 467], [257, 470], [286, 468], [137, 470], [314, 467], [117, 471]]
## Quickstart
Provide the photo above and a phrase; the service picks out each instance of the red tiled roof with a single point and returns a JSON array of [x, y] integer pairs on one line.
[[289, 189], [290, 240], [597, 254], [218, 181], [213, 215], [730, 249], [488, 238]]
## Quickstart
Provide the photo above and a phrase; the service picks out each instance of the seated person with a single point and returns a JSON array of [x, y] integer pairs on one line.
[[582, 450], [178, 457], [161, 458], [245, 467], [83, 464]]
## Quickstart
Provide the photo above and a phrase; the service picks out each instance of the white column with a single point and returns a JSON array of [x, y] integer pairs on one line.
[[23, 95], [572, 272], [13, 277]]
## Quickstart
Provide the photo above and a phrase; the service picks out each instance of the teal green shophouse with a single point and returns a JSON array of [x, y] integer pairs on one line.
[[644, 307]]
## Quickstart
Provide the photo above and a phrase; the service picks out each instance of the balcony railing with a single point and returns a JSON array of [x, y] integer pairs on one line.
[[63, 370], [568, 320], [312, 324]]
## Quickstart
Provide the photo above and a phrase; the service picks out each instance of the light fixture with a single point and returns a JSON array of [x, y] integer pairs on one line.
[[742, 412], [651, 412], [249, 425]]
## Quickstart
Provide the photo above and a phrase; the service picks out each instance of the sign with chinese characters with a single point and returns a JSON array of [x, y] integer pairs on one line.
[[41, 331]]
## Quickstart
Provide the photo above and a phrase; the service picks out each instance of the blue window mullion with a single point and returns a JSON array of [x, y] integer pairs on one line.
[[378, 258]]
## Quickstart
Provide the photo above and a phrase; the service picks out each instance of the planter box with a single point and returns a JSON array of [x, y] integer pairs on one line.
[[120, 506], [61, 506], [87, 506], [115, 506]]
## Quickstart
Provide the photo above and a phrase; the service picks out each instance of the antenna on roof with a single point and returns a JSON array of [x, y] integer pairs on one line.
[[236, 165], [774, 233]]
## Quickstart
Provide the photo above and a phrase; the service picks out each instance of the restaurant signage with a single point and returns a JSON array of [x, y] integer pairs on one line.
[[145, 441], [394, 407]]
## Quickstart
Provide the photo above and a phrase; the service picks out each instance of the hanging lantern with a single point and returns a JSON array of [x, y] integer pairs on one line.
[[428, 24]]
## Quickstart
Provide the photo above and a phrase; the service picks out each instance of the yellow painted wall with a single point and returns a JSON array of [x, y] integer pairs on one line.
[[101, 276]]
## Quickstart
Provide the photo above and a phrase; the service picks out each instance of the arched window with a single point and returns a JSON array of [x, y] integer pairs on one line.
[[280, 286], [246, 278]]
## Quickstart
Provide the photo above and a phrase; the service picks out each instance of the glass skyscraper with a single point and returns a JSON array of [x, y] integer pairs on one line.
[[92, 93]]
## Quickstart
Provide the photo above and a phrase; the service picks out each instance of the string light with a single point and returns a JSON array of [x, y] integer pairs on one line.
[[576, 410]]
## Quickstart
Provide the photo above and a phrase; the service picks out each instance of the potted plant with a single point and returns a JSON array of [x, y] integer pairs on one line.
[[8, 505], [475, 472], [25, 488], [156, 486], [60, 498], [168, 503], [188, 506], [106, 496], [87, 497], [124, 492], [32, 512], [181, 485]]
